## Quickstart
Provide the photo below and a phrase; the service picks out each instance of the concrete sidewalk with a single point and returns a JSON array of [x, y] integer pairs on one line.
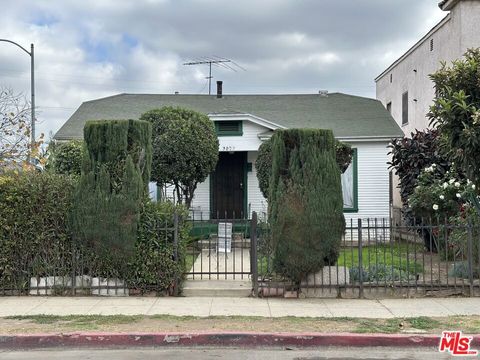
[[204, 307]]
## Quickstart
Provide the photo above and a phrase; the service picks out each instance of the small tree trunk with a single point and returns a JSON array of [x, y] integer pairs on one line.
[[189, 191], [179, 194]]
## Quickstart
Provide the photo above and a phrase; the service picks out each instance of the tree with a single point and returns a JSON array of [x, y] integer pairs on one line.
[[185, 149], [410, 155], [66, 158], [15, 144], [306, 205], [263, 164], [113, 184], [456, 112]]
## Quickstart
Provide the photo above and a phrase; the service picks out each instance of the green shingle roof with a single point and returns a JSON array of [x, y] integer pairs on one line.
[[346, 115]]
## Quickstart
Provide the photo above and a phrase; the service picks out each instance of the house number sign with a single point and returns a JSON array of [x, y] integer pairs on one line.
[[228, 148]]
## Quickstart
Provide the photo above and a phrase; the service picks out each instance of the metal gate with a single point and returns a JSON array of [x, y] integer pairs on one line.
[[221, 248]]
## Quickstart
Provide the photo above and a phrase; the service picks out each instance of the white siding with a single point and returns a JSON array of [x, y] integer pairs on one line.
[[373, 183], [248, 142], [255, 200], [201, 200]]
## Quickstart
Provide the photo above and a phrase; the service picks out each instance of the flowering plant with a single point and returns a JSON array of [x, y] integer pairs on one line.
[[439, 197]]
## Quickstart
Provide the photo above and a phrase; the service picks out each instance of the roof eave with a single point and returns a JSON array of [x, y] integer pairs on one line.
[[447, 5], [379, 138]]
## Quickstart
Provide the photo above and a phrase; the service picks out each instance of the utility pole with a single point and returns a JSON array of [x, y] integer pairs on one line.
[[32, 86]]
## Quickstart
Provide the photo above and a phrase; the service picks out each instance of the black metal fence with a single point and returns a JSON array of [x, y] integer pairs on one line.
[[67, 267], [378, 258]]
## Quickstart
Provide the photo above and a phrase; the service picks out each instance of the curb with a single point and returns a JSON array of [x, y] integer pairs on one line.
[[224, 339]]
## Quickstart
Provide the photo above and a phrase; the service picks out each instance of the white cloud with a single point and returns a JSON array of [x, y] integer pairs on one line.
[[89, 49]]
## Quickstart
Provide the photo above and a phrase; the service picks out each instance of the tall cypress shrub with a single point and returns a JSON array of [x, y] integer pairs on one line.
[[306, 205], [114, 181]]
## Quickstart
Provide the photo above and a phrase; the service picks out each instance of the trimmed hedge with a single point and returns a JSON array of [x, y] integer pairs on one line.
[[306, 205], [36, 241], [153, 264], [34, 209], [263, 164], [114, 180]]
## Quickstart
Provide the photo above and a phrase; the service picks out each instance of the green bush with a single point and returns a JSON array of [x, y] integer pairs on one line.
[[36, 241], [66, 157], [411, 155], [380, 273], [306, 206], [436, 198], [463, 225], [263, 164], [34, 209], [114, 180], [153, 264], [343, 155], [460, 269]]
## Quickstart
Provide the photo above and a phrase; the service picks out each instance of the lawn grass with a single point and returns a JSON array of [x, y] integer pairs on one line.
[[99, 319], [394, 255], [189, 260], [391, 255], [155, 323]]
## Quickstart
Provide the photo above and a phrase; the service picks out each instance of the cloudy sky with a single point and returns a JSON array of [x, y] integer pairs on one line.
[[94, 48]]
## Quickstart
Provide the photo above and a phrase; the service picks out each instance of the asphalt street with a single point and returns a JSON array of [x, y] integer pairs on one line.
[[226, 353]]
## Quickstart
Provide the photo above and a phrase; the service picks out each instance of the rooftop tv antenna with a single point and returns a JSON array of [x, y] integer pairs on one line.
[[216, 61]]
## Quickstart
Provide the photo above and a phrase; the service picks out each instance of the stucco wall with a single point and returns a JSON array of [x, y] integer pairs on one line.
[[455, 34]]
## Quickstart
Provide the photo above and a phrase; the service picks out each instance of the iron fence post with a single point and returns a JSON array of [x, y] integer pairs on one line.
[[175, 251], [470, 259], [74, 265], [253, 253], [360, 259]]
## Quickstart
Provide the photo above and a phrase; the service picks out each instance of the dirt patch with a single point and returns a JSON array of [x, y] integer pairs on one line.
[[128, 324]]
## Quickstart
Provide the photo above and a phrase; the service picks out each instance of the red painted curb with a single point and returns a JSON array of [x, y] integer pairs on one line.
[[243, 339]]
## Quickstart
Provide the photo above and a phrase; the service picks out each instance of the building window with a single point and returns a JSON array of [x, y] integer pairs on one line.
[[431, 44], [350, 186], [405, 108], [389, 107], [229, 128], [391, 78]]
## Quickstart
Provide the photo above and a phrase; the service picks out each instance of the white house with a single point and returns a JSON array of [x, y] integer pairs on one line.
[[405, 88], [244, 121]]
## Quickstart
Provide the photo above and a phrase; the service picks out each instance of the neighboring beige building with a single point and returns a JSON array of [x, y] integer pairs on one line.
[[405, 88]]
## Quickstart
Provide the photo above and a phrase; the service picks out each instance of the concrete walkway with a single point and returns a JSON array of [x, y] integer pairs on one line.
[[215, 306], [238, 260]]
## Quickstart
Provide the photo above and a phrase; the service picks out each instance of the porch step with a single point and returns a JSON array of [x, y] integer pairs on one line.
[[212, 243], [217, 288]]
